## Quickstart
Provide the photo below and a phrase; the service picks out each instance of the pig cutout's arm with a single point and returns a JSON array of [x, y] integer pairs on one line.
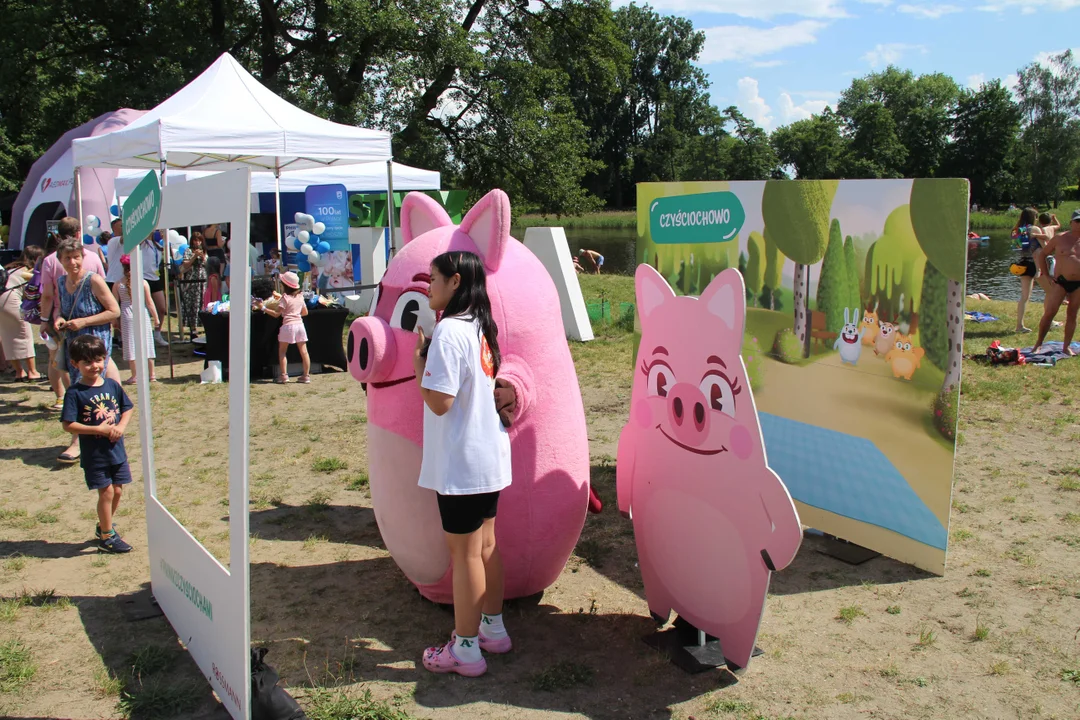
[[624, 471], [516, 372], [784, 530]]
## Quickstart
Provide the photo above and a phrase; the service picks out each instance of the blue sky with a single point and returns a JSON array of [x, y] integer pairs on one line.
[[781, 60]]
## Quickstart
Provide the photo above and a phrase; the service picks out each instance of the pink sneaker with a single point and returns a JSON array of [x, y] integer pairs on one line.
[[443, 660], [496, 647]]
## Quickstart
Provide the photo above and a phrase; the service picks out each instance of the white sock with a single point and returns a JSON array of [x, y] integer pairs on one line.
[[492, 626], [467, 649]]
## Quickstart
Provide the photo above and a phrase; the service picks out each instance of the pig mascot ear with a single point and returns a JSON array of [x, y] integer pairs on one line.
[[421, 214], [726, 299], [651, 289], [488, 225]]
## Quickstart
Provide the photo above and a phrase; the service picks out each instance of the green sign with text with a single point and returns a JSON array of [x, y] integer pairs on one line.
[[703, 218], [141, 211]]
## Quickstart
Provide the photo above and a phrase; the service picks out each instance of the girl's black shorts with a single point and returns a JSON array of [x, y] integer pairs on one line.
[[464, 514]]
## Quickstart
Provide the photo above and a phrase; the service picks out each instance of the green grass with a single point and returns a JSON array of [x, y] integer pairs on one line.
[[324, 704], [893, 609], [850, 614], [1007, 220], [17, 667], [357, 482], [927, 638], [612, 220], [981, 631], [329, 465], [150, 659], [157, 698], [563, 676]]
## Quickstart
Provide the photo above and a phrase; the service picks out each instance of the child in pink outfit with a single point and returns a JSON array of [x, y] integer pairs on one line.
[[291, 309]]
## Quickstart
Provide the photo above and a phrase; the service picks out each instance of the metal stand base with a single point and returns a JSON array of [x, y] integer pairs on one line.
[[690, 649], [846, 551], [139, 605]]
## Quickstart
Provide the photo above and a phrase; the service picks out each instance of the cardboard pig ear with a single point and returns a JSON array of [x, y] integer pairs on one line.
[[488, 225], [652, 290], [421, 214], [725, 297]]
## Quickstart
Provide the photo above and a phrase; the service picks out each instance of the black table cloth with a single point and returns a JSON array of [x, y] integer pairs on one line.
[[325, 327]]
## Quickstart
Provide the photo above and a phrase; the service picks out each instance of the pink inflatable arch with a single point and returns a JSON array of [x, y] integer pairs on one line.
[[97, 183]]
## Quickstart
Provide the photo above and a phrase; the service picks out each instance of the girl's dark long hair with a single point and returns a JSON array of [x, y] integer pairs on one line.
[[471, 298], [1027, 217]]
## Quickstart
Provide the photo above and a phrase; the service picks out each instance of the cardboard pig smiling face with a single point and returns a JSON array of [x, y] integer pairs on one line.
[[690, 387]]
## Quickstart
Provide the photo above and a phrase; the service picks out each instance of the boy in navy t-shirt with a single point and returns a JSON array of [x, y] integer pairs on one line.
[[97, 410]]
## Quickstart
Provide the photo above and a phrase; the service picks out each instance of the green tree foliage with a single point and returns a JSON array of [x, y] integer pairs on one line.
[[851, 265], [755, 264], [774, 261], [833, 290], [814, 147], [896, 267], [1049, 99], [984, 136]]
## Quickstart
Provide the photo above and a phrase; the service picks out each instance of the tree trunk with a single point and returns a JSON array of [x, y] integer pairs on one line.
[[802, 326], [956, 335]]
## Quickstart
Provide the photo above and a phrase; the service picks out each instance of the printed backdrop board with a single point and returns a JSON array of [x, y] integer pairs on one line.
[[854, 332], [329, 204], [206, 603]]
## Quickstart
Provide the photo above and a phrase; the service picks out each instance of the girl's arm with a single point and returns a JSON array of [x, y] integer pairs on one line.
[[151, 308], [303, 310], [272, 312], [439, 402]]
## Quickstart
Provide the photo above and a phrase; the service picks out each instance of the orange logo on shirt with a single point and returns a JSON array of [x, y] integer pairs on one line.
[[487, 360]]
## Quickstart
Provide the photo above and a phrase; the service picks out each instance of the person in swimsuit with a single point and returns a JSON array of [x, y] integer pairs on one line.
[[1030, 237], [595, 259], [1065, 249]]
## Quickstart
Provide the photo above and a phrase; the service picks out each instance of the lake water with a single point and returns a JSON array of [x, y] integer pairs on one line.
[[987, 270]]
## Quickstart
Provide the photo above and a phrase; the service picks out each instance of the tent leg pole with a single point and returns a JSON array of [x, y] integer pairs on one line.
[[390, 205], [78, 199], [277, 209], [165, 277]]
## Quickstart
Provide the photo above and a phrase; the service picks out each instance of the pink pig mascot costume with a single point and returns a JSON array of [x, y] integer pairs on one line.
[[542, 512], [711, 520]]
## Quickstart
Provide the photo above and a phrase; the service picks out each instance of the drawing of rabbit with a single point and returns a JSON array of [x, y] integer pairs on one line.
[[849, 340]]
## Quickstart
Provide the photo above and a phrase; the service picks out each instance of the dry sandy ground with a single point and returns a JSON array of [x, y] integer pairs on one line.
[[994, 638]]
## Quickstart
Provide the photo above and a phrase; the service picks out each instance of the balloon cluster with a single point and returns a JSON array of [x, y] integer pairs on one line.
[[92, 229], [311, 253], [178, 246]]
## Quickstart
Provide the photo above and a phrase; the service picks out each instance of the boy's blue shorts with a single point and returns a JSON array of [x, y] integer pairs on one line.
[[102, 477]]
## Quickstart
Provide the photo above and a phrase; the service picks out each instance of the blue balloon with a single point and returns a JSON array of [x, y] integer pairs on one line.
[[88, 239], [115, 210], [323, 247], [302, 263]]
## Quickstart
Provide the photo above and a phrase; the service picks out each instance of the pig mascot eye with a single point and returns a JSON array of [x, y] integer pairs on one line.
[[717, 390], [660, 379], [412, 311]]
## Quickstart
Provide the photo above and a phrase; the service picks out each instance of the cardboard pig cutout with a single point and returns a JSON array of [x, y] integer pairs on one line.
[[711, 520], [542, 512]]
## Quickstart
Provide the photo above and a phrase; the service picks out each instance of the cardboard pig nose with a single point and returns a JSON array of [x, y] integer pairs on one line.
[[371, 350], [689, 421]]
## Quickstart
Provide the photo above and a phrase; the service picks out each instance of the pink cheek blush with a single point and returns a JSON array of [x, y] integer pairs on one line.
[[642, 414], [740, 442]]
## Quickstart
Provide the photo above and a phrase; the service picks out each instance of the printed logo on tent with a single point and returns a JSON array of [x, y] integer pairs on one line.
[[47, 183]]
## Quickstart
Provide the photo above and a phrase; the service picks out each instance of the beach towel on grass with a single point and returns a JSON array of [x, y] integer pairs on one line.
[[979, 317], [1051, 352]]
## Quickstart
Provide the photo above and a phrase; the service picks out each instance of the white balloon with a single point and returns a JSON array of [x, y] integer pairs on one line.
[[306, 249], [320, 228], [313, 257], [91, 220], [290, 242], [299, 217], [303, 235]]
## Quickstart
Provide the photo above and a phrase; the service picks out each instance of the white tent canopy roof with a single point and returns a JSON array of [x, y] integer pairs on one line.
[[369, 177], [225, 119]]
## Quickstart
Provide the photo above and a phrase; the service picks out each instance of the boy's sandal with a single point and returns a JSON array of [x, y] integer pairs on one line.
[[130, 381], [57, 406], [66, 458]]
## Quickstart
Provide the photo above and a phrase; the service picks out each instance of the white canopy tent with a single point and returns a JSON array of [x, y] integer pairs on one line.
[[225, 119], [356, 178]]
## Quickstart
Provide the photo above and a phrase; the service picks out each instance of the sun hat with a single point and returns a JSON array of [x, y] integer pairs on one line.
[[289, 279]]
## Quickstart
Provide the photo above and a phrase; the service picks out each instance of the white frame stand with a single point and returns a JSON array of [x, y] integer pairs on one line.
[[207, 604]]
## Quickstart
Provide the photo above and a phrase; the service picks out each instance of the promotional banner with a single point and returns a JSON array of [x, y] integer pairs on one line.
[[288, 257], [854, 332], [329, 204]]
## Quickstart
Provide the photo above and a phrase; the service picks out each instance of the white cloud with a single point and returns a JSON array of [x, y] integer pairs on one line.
[[975, 81], [742, 42], [1043, 58], [928, 12], [756, 9], [766, 63], [752, 104], [889, 53], [789, 112], [1029, 7], [1011, 81]]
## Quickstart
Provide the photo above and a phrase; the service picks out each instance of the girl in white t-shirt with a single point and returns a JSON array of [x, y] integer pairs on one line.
[[466, 457]]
